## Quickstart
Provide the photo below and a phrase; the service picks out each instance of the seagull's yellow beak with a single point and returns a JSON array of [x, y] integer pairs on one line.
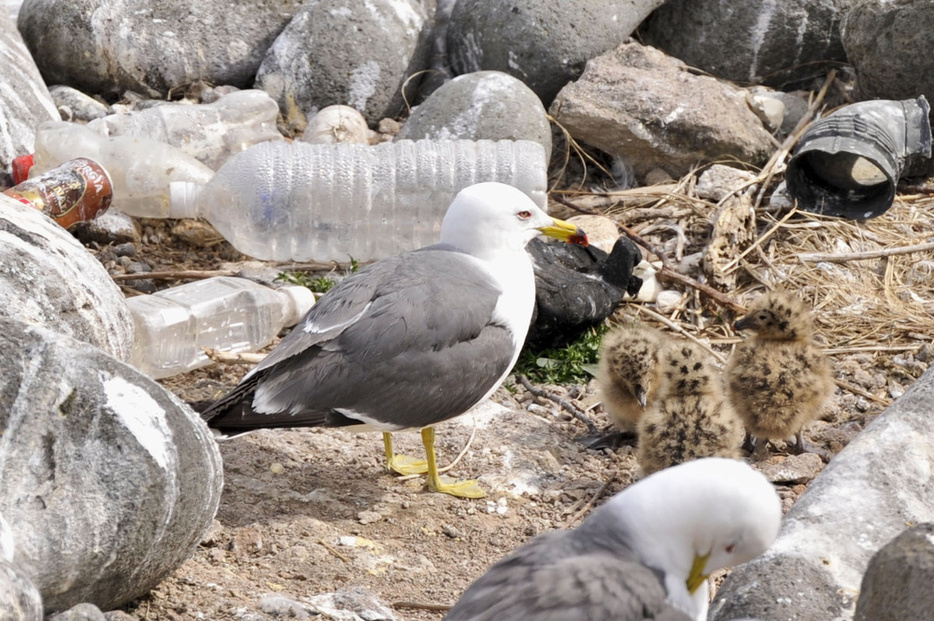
[[697, 575], [566, 232]]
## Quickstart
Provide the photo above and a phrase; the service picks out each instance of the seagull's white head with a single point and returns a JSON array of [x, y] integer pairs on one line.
[[489, 218], [695, 518]]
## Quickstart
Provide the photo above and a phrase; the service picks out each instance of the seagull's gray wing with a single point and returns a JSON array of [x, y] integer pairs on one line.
[[545, 581], [407, 342]]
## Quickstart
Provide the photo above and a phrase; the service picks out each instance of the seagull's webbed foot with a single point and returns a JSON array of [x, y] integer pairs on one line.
[[402, 464], [461, 489]]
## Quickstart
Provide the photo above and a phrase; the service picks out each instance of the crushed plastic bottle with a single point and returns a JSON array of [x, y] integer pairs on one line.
[[140, 169], [210, 133], [77, 191], [321, 202], [225, 313]]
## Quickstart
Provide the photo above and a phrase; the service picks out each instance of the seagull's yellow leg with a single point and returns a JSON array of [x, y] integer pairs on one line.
[[462, 489], [401, 463]]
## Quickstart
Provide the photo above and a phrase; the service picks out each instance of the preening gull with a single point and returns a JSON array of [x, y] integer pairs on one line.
[[411, 340], [645, 554]]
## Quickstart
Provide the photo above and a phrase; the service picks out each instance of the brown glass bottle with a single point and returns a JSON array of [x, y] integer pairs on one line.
[[77, 191]]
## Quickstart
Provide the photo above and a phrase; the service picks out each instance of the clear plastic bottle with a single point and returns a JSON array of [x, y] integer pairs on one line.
[[320, 202], [225, 313], [210, 133], [140, 169]]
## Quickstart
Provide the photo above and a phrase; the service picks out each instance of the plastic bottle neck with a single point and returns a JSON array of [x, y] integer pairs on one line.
[[183, 199]]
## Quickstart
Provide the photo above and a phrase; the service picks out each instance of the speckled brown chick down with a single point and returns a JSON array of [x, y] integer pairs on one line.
[[691, 417], [778, 380], [629, 372]]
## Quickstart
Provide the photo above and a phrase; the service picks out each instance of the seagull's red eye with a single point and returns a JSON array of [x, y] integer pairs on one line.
[[525, 215], [729, 548]]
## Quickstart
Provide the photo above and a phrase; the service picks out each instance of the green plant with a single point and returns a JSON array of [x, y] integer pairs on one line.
[[574, 363], [318, 284]]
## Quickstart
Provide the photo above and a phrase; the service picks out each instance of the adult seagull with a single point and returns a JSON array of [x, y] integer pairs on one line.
[[411, 340], [645, 554]]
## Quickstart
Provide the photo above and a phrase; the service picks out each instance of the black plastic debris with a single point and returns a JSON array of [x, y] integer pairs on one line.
[[849, 162], [578, 287]]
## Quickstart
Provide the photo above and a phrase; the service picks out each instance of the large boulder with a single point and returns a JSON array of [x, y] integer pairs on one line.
[[489, 105], [24, 99], [19, 597], [757, 41], [348, 52], [544, 44], [897, 584], [48, 278], [652, 110], [109, 46], [108, 480], [864, 497], [889, 44]]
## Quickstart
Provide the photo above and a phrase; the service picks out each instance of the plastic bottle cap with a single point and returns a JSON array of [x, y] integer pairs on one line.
[[21, 166], [300, 300]]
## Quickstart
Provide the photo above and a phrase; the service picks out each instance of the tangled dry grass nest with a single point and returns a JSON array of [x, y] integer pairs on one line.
[[871, 282]]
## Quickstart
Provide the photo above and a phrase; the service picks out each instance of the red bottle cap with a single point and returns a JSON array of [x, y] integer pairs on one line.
[[21, 166]]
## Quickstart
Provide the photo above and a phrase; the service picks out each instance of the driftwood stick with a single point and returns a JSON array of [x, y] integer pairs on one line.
[[218, 355], [816, 257], [856, 390], [593, 499], [421, 606], [567, 405], [175, 275]]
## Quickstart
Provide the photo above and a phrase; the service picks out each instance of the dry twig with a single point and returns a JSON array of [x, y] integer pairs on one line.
[[816, 257], [567, 405], [593, 499]]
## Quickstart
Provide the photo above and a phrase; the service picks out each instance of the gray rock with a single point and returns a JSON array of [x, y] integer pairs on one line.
[[544, 44], [19, 597], [351, 53], [439, 67], [24, 99], [83, 107], [483, 105], [651, 109], [897, 584], [6, 541], [81, 612], [758, 41], [719, 180], [110, 227], [278, 606], [109, 46], [889, 66], [48, 278], [351, 604], [793, 469], [861, 500], [107, 479]]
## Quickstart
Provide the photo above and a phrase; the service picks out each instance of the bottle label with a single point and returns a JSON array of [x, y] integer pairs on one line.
[[76, 191]]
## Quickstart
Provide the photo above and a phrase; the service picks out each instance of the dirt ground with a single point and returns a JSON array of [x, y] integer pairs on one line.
[[311, 512]]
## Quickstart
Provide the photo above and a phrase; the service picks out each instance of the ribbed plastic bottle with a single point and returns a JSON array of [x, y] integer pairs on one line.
[[210, 133], [140, 169], [225, 313], [319, 202]]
